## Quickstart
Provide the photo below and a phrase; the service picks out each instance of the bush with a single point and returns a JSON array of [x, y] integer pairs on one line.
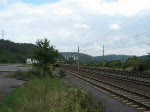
[[141, 67], [49, 95], [20, 75], [31, 74], [62, 73], [81, 101]]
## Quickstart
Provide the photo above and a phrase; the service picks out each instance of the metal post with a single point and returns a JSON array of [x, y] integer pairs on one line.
[[103, 57], [78, 58], [66, 58], [2, 34]]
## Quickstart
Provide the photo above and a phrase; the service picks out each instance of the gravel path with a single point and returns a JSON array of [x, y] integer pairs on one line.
[[8, 67], [8, 84], [110, 104]]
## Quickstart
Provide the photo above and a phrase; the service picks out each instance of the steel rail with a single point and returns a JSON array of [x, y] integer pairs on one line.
[[123, 78], [118, 93]]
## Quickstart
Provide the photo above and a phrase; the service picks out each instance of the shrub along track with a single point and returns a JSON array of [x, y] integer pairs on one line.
[[133, 97]]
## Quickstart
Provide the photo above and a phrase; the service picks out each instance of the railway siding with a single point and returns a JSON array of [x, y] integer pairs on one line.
[[134, 85], [134, 98]]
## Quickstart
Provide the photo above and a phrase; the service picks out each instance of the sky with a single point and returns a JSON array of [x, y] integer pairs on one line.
[[122, 26]]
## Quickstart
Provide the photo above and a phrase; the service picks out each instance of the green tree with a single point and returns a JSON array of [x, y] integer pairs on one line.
[[133, 62], [71, 61], [45, 54], [115, 64]]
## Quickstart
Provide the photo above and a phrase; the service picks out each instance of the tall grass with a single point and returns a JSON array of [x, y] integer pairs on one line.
[[49, 95]]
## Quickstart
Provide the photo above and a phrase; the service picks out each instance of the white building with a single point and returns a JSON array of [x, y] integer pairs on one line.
[[29, 61]]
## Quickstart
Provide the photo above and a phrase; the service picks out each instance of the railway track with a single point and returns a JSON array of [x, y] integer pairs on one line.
[[137, 74], [138, 100], [137, 80]]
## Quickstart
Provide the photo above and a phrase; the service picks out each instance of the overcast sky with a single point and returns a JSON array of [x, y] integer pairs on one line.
[[122, 26]]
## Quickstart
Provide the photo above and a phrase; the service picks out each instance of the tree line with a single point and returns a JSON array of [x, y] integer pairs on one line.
[[11, 52], [132, 64]]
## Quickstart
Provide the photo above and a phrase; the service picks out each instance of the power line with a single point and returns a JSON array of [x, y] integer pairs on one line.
[[127, 21], [137, 36], [126, 46], [125, 27]]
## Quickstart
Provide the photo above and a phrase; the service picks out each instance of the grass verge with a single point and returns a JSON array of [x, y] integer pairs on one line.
[[49, 95], [1, 95]]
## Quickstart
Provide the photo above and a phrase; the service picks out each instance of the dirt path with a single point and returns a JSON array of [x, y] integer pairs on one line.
[[8, 84]]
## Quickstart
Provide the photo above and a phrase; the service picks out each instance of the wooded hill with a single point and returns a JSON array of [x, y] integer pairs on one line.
[[11, 52], [87, 58]]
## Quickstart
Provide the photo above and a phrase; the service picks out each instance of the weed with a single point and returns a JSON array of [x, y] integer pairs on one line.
[[49, 95], [62, 73]]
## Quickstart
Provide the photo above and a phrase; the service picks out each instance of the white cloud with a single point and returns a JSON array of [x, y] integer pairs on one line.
[[67, 23], [61, 11], [82, 26], [64, 34], [112, 41], [97, 47], [119, 7], [3, 2], [114, 27], [139, 51]]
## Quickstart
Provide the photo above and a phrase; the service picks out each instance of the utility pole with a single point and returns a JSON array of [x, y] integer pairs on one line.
[[103, 57], [149, 54], [78, 58], [148, 20], [149, 27], [66, 57], [2, 34]]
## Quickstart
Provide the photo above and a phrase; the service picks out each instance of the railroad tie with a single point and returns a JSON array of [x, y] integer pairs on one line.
[[135, 106], [141, 109], [125, 101], [129, 103]]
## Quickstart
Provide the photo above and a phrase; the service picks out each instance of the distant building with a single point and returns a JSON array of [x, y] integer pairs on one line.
[[30, 61], [74, 56]]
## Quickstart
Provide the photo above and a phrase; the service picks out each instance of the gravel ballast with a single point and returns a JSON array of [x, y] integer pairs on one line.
[[110, 104]]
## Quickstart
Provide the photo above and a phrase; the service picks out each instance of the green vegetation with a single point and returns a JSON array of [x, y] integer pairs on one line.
[[49, 95], [45, 54], [1, 95], [71, 61], [84, 58], [61, 73], [44, 94], [132, 64], [11, 52], [28, 75]]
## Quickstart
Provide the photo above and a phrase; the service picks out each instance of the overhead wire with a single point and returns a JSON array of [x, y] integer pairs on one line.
[[125, 22]]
